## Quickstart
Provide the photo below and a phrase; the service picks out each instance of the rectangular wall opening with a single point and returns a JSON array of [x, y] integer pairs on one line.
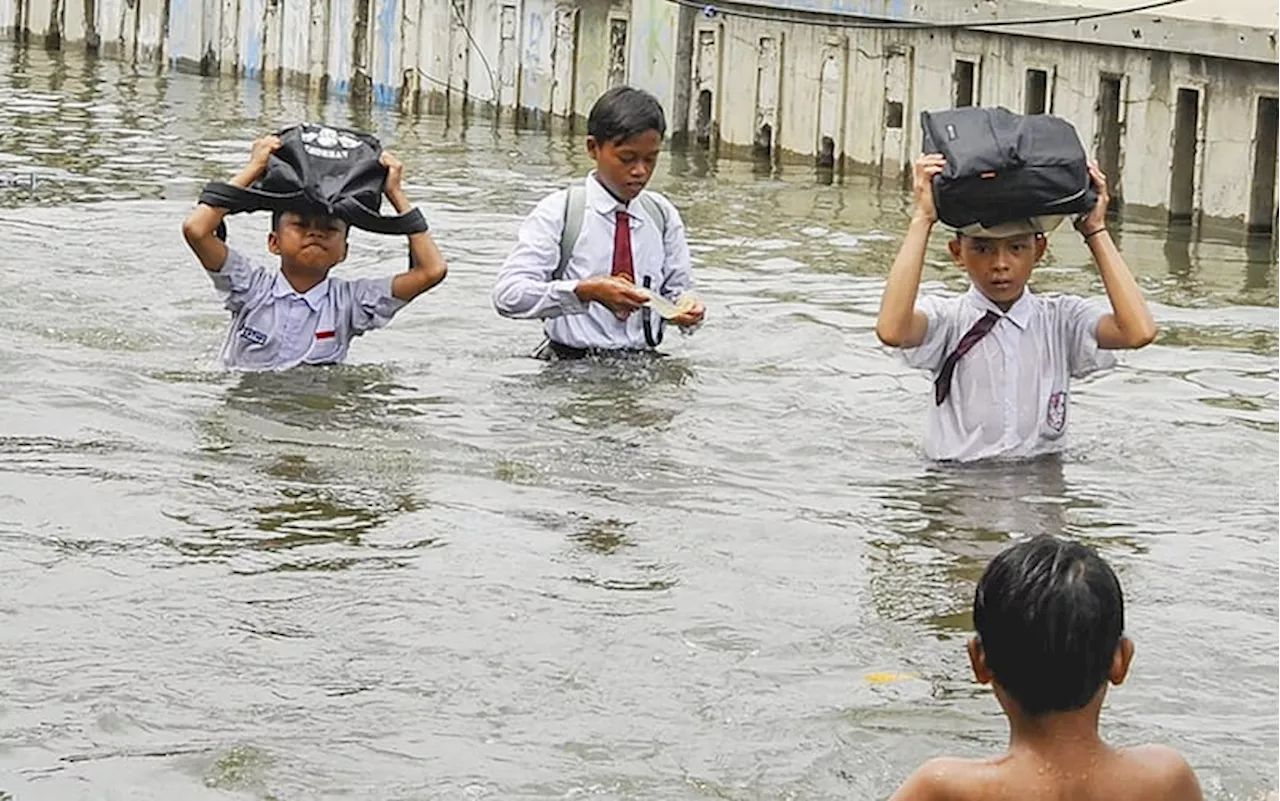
[[963, 83], [1109, 129], [1186, 128], [617, 52], [1036, 92], [1262, 202]]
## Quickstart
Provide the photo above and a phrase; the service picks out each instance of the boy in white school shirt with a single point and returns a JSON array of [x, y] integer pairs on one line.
[[629, 245], [1002, 357], [299, 314]]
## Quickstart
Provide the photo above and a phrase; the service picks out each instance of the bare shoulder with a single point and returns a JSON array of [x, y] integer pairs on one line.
[[1160, 772], [946, 779]]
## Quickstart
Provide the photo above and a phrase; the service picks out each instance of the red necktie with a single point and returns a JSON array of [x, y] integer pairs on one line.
[[942, 384], [622, 247]]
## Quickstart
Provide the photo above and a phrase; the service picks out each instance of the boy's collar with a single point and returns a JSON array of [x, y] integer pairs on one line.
[[313, 296], [1020, 313], [602, 200]]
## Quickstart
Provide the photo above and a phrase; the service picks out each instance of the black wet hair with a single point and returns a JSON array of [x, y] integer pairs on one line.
[[1049, 614], [624, 112]]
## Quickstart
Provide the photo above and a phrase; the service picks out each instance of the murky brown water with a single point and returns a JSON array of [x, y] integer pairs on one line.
[[449, 571]]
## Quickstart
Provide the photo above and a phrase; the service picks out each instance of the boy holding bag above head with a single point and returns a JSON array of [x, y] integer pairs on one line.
[[605, 263], [1002, 357], [299, 314]]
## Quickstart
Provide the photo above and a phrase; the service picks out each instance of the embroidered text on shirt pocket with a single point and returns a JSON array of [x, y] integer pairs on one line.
[[253, 335]]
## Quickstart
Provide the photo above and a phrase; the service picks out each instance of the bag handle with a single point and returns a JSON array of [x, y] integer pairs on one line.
[[237, 199], [361, 216]]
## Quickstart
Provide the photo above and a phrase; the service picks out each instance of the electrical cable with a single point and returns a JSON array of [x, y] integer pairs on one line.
[[493, 79], [855, 21]]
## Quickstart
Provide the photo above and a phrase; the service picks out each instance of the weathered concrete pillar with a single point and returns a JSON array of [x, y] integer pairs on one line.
[[682, 76]]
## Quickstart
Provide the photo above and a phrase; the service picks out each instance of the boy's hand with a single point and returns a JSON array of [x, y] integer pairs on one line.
[[1096, 219], [925, 168], [262, 150], [393, 187], [691, 318], [618, 294], [259, 156]]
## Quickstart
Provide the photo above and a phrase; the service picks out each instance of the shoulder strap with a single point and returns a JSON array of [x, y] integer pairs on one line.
[[574, 209], [654, 209]]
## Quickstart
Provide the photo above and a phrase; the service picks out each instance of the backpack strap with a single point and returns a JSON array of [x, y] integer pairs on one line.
[[238, 199], [574, 211], [359, 215], [655, 211], [243, 199]]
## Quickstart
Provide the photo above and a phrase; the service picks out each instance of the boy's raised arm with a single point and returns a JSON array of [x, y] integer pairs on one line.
[[199, 227], [1130, 325], [899, 325], [426, 265]]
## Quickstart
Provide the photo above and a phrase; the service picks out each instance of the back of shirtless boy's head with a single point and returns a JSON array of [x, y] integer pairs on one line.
[[1049, 615]]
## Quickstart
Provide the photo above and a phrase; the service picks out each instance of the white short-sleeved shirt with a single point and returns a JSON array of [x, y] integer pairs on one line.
[[525, 289], [1010, 394], [274, 327]]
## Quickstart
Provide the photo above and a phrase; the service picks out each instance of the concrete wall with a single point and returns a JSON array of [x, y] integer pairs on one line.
[[868, 69], [792, 83], [1258, 13]]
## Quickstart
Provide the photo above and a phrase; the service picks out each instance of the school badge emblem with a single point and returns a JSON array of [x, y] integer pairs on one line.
[[1056, 414]]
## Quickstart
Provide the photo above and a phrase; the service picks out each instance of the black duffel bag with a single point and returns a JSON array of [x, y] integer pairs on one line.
[[320, 169], [1003, 166]]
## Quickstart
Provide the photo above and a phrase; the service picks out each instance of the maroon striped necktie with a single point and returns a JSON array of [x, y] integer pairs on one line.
[[942, 384], [622, 248]]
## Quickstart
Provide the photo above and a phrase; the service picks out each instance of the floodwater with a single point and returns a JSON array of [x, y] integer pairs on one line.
[[448, 571]]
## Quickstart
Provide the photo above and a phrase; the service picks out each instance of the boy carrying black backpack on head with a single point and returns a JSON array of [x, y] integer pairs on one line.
[[1002, 357], [299, 315]]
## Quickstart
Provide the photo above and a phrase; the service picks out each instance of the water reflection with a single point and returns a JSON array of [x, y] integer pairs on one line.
[[672, 503], [329, 398], [1177, 253], [322, 476], [1260, 262], [950, 521], [634, 392], [690, 162]]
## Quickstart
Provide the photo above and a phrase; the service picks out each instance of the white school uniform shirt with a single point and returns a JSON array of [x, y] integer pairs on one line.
[[274, 327], [1010, 394], [524, 289]]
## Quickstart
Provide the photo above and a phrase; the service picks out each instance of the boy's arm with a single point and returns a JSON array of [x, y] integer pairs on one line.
[[199, 227], [899, 324], [426, 265], [1130, 325], [678, 269]]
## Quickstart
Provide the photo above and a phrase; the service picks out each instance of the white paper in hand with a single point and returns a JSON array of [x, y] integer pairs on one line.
[[669, 310]]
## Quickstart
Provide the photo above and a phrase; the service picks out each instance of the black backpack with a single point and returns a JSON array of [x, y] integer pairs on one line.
[[1003, 166], [320, 169]]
